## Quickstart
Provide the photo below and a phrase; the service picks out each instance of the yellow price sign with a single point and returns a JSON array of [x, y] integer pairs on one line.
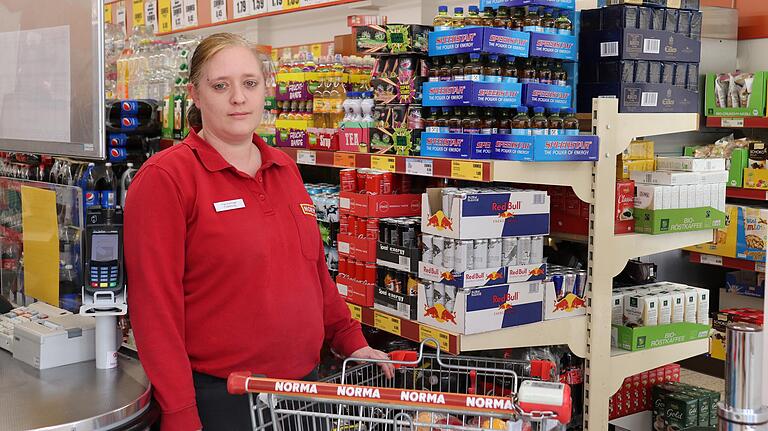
[[386, 322], [383, 163], [108, 13], [164, 18], [356, 311], [317, 50], [344, 160], [138, 12], [462, 170], [442, 337], [290, 4]]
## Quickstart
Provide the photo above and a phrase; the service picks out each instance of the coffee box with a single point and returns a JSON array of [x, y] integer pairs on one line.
[[690, 304], [678, 306], [617, 309], [682, 411], [702, 306], [665, 308], [641, 310]]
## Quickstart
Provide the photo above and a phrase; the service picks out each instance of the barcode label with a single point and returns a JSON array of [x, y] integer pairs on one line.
[[218, 11], [241, 8], [539, 199], [651, 46], [403, 308], [533, 288], [649, 99], [609, 49]]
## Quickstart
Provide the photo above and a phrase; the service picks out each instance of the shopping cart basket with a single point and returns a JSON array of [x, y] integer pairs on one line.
[[429, 392]]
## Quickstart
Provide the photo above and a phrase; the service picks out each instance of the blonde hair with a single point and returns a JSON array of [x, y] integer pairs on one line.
[[207, 48]]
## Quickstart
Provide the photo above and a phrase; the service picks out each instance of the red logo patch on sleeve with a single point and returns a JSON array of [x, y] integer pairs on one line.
[[308, 209]]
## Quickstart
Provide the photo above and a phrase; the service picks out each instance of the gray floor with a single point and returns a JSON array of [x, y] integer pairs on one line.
[[703, 381]]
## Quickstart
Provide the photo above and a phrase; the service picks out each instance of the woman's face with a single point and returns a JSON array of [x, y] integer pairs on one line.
[[230, 94]]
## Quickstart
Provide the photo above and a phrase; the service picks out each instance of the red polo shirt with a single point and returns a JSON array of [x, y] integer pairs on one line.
[[226, 273]]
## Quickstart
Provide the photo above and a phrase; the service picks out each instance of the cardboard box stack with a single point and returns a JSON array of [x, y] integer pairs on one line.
[[678, 406], [648, 57], [717, 341], [634, 396], [742, 236]]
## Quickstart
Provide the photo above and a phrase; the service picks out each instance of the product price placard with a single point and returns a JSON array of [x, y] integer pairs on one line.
[[565, 148], [150, 15], [554, 46], [257, 7], [138, 12], [165, 19], [291, 4], [218, 11], [239, 8], [482, 94], [177, 14], [547, 96], [108, 13], [120, 16], [190, 13], [274, 5]]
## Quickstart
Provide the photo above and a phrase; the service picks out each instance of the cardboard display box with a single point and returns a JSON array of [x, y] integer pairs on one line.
[[489, 40], [559, 306], [561, 4], [752, 233], [648, 337], [725, 236], [404, 259], [362, 249], [482, 277], [473, 311], [472, 93], [757, 102], [395, 303], [636, 44], [649, 98], [408, 38], [756, 179], [678, 220]]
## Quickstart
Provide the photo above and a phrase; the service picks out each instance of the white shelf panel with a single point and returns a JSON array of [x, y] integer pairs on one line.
[[637, 421], [625, 363], [633, 245], [577, 175], [569, 331]]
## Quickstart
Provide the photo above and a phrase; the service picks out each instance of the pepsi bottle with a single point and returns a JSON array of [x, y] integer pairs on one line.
[[125, 182], [92, 196], [108, 188], [140, 109]]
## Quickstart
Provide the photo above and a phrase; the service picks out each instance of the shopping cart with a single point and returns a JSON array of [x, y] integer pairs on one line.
[[429, 392]]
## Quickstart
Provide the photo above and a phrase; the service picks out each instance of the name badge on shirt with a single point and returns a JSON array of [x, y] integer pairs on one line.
[[234, 204]]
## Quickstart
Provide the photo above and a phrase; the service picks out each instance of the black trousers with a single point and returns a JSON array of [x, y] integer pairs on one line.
[[221, 411]]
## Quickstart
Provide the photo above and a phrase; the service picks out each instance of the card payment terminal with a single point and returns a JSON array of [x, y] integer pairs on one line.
[[104, 269]]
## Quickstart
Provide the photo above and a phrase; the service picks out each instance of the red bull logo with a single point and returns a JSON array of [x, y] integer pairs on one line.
[[505, 306], [440, 221], [494, 276], [506, 214], [569, 303], [447, 276], [505, 298], [537, 272], [440, 314]]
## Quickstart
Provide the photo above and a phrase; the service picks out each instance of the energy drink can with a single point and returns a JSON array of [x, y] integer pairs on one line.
[[464, 256], [429, 289], [450, 298], [569, 282], [342, 265], [438, 246], [494, 253], [447, 196], [558, 281], [383, 230], [480, 253], [360, 270], [360, 179], [524, 250], [537, 249], [580, 287], [395, 232], [438, 294], [509, 251], [449, 253], [409, 233], [426, 248]]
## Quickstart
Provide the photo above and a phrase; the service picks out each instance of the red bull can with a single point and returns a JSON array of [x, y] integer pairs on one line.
[[426, 248], [558, 281], [449, 253], [447, 198], [524, 250], [494, 253], [438, 294], [537, 249], [118, 154], [464, 256], [580, 287], [129, 123], [429, 294], [509, 251], [450, 298], [344, 223], [409, 233], [569, 282], [480, 253], [129, 107], [438, 245]]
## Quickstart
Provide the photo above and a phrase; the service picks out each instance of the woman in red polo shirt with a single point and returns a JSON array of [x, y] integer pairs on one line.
[[225, 261]]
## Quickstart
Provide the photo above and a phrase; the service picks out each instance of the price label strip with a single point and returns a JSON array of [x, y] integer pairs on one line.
[[257, 7], [731, 122], [384, 163], [177, 14], [305, 157], [386, 322], [462, 170], [190, 13], [138, 12], [316, 50], [442, 337], [218, 11], [421, 167], [164, 19], [291, 4], [711, 260], [357, 312], [343, 160], [240, 8]]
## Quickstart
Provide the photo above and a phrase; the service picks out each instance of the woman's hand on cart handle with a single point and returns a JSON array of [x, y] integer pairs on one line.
[[371, 353]]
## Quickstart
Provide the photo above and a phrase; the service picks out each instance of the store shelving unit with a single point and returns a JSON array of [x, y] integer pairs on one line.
[[726, 262], [570, 331], [625, 363]]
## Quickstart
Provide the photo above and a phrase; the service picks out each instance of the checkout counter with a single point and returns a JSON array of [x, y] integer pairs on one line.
[[75, 397]]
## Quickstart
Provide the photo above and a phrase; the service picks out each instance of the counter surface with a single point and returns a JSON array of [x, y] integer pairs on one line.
[[72, 397]]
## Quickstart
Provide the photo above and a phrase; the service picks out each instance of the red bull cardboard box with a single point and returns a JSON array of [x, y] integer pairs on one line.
[[561, 306], [485, 215], [482, 277], [484, 309]]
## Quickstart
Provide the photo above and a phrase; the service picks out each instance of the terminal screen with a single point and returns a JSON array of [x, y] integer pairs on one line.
[[104, 248]]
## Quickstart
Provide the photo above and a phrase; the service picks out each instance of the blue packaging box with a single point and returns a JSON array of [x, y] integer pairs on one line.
[[479, 39], [747, 283], [636, 44], [562, 148], [513, 147], [456, 146], [470, 93], [558, 46], [547, 96], [562, 4], [649, 98]]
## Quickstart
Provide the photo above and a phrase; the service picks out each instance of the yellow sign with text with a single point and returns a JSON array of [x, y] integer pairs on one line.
[[356, 311], [164, 18], [383, 163], [385, 322], [138, 12], [462, 170], [443, 338], [108, 13]]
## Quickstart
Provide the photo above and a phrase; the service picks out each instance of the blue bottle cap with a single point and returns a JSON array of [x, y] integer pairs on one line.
[[494, 57], [442, 9], [474, 55], [458, 10], [474, 9]]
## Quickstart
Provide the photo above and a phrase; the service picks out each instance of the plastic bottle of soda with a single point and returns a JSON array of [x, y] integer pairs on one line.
[[430, 121], [445, 71], [457, 20], [570, 122], [442, 21], [471, 122], [442, 120], [509, 70], [454, 123], [434, 71], [125, 182], [492, 71], [548, 22], [544, 73], [539, 123], [457, 71], [108, 190], [555, 123], [563, 24], [532, 22], [517, 20], [521, 123], [559, 75], [473, 71], [488, 123], [92, 196], [528, 74]]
